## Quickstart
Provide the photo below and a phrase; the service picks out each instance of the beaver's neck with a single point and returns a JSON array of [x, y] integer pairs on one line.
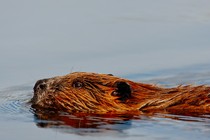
[[176, 100]]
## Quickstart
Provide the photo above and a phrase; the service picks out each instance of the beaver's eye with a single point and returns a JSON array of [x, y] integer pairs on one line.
[[77, 84]]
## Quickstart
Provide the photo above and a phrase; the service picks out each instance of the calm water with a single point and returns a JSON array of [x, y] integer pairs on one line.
[[163, 42]]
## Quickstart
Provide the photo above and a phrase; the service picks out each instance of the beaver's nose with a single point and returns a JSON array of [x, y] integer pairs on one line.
[[40, 85]]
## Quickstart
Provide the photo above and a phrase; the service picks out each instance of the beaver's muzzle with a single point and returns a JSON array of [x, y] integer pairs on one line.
[[42, 96]]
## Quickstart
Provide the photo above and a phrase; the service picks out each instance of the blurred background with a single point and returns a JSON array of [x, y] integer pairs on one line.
[[45, 38]]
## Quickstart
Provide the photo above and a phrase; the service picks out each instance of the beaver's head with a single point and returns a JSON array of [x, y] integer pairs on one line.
[[84, 92]]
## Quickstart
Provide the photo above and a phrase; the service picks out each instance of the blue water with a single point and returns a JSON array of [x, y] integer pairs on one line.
[[161, 42], [17, 117]]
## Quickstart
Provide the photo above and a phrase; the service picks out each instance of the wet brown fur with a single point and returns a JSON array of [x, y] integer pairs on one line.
[[91, 92]]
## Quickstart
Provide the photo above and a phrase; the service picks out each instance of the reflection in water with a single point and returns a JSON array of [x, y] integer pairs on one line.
[[86, 124]]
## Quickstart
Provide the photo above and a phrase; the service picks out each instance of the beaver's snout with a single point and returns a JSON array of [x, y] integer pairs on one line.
[[40, 85], [43, 93]]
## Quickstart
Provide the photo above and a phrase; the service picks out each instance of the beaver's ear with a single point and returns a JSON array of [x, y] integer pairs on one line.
[[123, 91]]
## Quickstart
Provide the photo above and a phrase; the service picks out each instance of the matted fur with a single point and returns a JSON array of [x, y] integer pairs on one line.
[[91, 92]]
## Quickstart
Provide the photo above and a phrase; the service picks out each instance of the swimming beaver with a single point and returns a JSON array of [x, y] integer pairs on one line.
[[103, 93]]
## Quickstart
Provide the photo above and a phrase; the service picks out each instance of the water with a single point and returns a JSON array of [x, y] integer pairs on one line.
[[161, 42], [17, 117]]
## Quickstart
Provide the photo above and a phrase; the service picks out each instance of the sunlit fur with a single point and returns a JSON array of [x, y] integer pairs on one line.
[[94, 94]]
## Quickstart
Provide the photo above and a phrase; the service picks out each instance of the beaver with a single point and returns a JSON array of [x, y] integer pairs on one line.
[[105, 93]]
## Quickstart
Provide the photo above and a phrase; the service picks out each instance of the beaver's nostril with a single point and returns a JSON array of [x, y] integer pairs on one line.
[[40, 85]]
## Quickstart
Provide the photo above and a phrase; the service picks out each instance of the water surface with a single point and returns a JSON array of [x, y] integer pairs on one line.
[[16, 116]]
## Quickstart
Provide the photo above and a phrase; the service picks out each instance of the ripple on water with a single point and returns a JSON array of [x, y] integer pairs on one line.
[[14, 103]]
